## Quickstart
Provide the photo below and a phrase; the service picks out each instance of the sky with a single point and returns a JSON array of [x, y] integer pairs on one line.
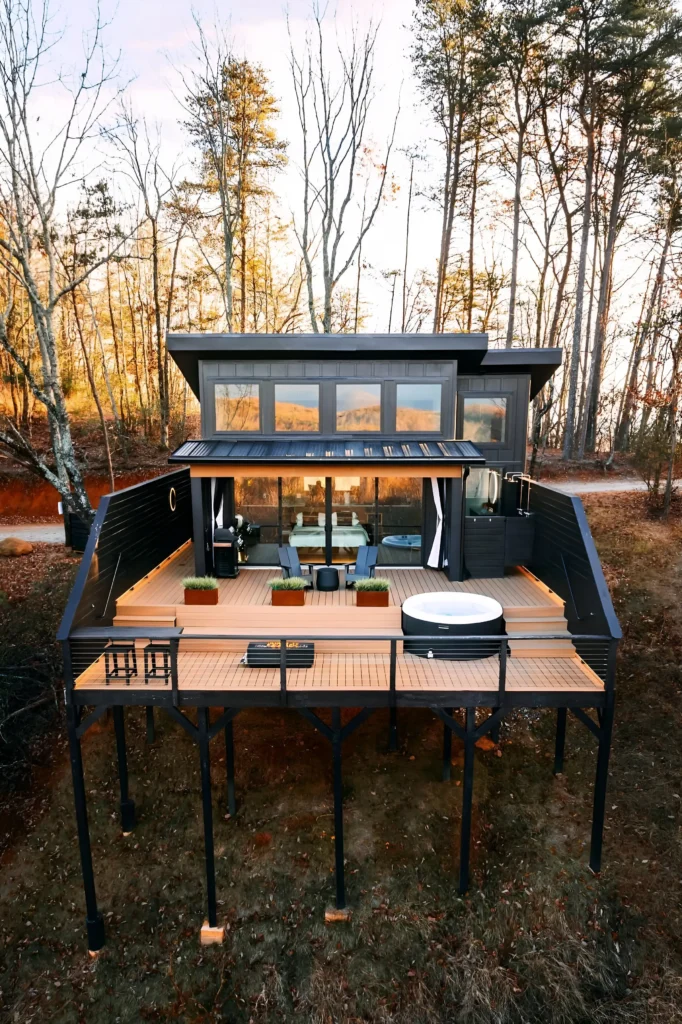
[[155, 39]]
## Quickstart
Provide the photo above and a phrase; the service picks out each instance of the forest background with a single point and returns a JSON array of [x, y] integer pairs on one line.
[[508, 166]]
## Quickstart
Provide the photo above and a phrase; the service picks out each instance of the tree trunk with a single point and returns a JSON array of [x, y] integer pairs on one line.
[[518, 175]]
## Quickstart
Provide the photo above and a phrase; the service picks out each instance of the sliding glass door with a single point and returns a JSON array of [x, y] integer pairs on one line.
[[328, 519]]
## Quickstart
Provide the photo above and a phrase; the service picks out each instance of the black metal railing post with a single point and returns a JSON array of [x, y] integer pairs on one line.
[[207, 806], [338, 810], [174, 646], [502, 685], [283, 670], [393, 709]]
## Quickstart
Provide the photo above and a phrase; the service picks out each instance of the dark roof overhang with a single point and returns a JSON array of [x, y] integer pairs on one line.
[[298, 452], [188, 349], [538, 363]]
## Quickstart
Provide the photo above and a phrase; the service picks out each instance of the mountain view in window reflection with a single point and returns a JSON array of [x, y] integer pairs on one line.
[[418, 407], [237, 407], [358, 407], [297, 407], [483, 420]]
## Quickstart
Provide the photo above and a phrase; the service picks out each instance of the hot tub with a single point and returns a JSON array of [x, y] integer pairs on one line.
[[446, 613], [403, 540]]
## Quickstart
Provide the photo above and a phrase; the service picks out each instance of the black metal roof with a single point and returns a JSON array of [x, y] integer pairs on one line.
[[327, 450], [469, 350]]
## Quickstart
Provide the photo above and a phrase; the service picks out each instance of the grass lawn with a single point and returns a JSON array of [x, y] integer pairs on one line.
[[537, 939]]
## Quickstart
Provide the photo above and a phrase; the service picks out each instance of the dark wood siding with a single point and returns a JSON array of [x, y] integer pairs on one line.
[[134, 530]]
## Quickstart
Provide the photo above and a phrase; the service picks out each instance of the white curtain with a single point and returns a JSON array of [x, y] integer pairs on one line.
[[433, 560]]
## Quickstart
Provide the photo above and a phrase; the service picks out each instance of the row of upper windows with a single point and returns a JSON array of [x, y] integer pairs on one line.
[[358, 410]]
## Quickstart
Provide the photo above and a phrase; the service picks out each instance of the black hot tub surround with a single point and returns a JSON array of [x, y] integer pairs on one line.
[[445, 613]]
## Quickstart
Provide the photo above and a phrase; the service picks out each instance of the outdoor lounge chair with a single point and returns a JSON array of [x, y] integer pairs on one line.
[[364, 565], [291, 565]]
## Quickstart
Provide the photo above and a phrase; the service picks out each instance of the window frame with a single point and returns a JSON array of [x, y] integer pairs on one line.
[[459, 419], [416, 382], [273, 407], [214, 410]]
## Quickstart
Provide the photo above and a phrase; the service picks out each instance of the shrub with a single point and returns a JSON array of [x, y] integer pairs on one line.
[[200, 583], [293, 583], [373, 584]]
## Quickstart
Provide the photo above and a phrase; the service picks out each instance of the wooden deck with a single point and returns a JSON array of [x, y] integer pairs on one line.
[[214, 665], [222, 671], [160, 593]]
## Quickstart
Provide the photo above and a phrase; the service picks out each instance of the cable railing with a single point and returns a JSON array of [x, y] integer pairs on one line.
[[173, 660]]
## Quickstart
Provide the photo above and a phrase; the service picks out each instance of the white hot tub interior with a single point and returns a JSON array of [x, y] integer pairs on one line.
[[451, 608]]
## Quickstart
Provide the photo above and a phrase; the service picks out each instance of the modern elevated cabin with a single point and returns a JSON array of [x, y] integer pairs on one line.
[[394, 455]]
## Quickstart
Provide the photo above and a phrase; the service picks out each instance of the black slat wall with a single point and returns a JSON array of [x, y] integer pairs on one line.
[[134, 530], [563, 553]]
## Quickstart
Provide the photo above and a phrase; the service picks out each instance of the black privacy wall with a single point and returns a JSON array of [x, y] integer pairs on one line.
[[134, 530]]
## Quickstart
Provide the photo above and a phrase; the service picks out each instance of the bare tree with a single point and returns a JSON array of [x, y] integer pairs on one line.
[[333, 116], [35, 170]]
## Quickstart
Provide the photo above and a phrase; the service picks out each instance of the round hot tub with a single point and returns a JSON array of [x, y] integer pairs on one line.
[[446, 613]]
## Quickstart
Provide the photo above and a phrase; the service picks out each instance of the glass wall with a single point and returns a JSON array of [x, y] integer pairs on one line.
[[256, 499], [484, 419], [418, 407], [358, 407], [297, 407], [365, 510], [400, 520], [353, 515], [303, 516], [237, 407]]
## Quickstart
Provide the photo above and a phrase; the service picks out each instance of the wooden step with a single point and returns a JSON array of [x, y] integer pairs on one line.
[[536, 612], [541, 649], [160, 621], [531, 624], [265, 617]]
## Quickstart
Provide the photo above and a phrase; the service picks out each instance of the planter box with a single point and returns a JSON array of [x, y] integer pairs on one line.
[[288, 598], [201, 596], [371, 598]]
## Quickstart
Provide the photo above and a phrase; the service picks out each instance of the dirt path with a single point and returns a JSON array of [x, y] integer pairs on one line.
[[601, 486]]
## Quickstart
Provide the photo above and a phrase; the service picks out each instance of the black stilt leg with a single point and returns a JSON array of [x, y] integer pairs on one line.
[[338, 810], [229, 765], [393, 730], [93, 920], [495, 731], [151, 731], [447, 750], [205, 762], [560, 741], [127, 805], [600, 786], [467, 798]]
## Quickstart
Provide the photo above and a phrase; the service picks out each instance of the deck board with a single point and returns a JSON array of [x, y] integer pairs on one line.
[[222, 671], [162, 591]]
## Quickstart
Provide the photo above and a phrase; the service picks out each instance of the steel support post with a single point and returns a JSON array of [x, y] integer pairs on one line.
[[229, 767], [93, 920], [205, 763], [600, 784], [151, 731], [338, 809], [447, 749], [393, 729], [560, 741], [127, 805], [467, 799]]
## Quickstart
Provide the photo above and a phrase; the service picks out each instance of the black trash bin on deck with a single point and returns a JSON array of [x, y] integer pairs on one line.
[[225, 554]]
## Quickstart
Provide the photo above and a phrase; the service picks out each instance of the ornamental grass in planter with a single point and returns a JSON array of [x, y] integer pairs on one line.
[[289, 591], [372, 593], [200, 590]]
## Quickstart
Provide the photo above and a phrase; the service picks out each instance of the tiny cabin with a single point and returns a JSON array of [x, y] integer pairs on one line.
[[355, 463], [332, 443]]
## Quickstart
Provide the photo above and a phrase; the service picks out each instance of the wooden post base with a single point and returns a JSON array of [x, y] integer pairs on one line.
[[334, 915], [212, 936]]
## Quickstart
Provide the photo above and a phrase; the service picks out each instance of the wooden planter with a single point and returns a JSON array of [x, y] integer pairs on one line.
[[288, 598], [371, 598], [201, 596]]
